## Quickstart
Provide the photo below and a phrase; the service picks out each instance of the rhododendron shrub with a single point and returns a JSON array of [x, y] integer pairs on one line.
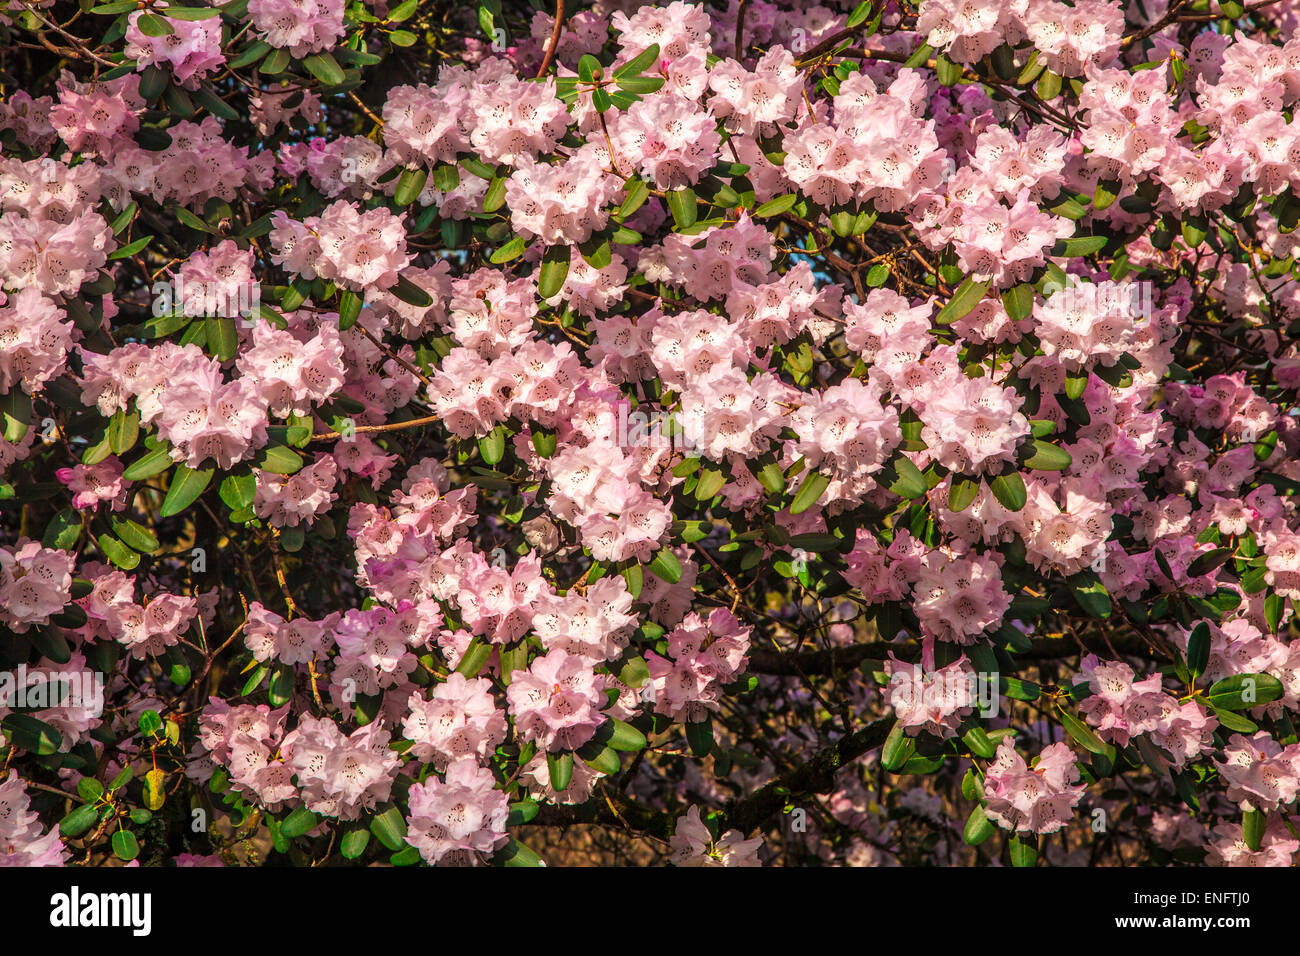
[[711, 434]]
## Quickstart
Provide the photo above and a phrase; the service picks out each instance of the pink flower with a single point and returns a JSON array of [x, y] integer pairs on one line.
[[458, 819], [556, 703], [1037, 800], [693, 844]]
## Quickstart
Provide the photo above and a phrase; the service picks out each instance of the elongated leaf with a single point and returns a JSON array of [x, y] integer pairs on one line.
[[1243, 691], [325, 68], [961, 492], [639, 63], [666, 566], [978, 827], [299, 822], [389, 827], [964, 299], [1079, 246], [810, 490], [555, 269], [682, 205], [410, 184], [187, 484], [34, 736], [133, 534], [560, 768], [903, 478], [774, 207], [1198, 649], [1082, 733], [1010, 490], [1048, 457], [626, 737]]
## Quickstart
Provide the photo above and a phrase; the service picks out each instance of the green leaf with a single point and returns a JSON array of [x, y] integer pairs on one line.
[[637, 192], [495, 197], [1048, 457], [903, 478], [978, 827], [1082, 733], [134, 535], [1079, 246], [354, 843], [79, 820], [1091, 594], [1019, 301], [35, 736], [118, 553], [979, 743], [1010, 491], [964, 299], [897, 749], [1106, 193], [666, 566], [299, 822], [509, 251], [411, 183], [961, 492], [948, 72], [639, 63], [223, 340], [1207, 562], [130, 249], [810, 490], [515, 853], [152, 25], [1274, 606], [555, 269], [635, 579], [682, 205], [1076, 383], [588, 68], [122, 432], [187, 484], [711, 480], [699, 734], [125, 845], [606, 762], [1018, 689], [641, 85], [389, 828], [492, 446], [1252, 825], [919, 56], [1243, 691], [446, 177], [279, 460], [626, 737], [281, 686], [475, 657], [254, 52], [65, 528], [1235, 722], [155, 793], [1023, 852], [774, 207], [559, 766], [16, 415], [325, 68], [1198, 649]]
